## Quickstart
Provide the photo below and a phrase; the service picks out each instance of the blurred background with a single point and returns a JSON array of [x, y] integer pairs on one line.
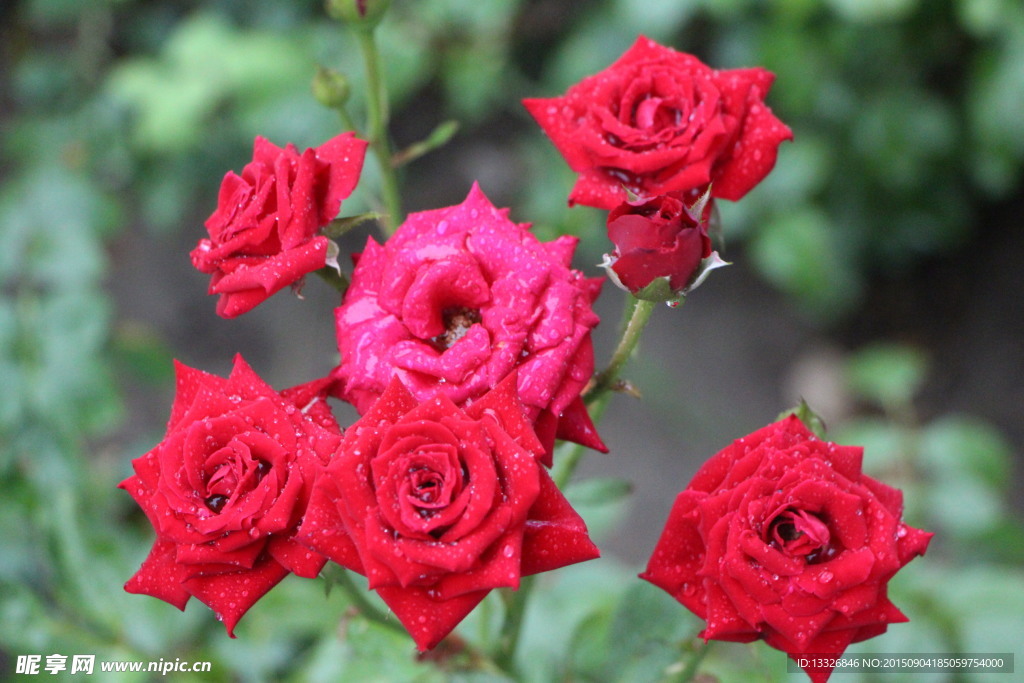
[[877, 274]]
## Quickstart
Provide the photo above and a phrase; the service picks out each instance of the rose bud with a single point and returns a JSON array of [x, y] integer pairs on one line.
[[662, 248], [360, 14], [331, 88]]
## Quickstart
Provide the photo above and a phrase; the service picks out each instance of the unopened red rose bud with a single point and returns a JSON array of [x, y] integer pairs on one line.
[[361, 14]]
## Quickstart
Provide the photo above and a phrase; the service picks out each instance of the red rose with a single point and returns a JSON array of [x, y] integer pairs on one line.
[[263, 233], [657, 239], [437, 505], [781, 537], [457, 299], [659, 121], [227, 487]]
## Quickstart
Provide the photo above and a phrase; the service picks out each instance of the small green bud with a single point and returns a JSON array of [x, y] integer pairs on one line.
[[360, 14], [330, 87]]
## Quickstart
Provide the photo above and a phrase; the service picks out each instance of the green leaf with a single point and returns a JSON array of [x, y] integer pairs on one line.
[[588, 651], [1003, 540], [602, 502], [205, 62], [805, 414], [561, 601], [997, 90], [984, 603], [797, 252], [476, 78], [965, 508], [873, 11], [887, 374], [881, 439], [646, 631], [49, 223], [374, 652], [983, 17], [341, 226], [598, 491], [961, 446], [69, 385], [141, 352], [437, 138]]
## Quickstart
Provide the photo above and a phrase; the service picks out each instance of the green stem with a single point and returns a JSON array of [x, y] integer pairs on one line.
[[637, 312], [565, 463], [347, 122], [377, 114], [366, 608], [508, 639], [686, 673], [605, 380], [71, 556], [635, 316]]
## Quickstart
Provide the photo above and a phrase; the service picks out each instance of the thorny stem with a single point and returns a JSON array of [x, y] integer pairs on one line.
[[597, 401], [347, 122], [635, 317], [637, 313], [366, 608], [371, 612], [377, 114], [605, 380], [686, 673], [508, 639], [565, 463]]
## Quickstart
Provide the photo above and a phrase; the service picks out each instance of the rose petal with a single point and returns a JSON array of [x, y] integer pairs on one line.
[[295, 557], [231, 595], [556, 536], [428, 621], [160, 576], [323, 530]]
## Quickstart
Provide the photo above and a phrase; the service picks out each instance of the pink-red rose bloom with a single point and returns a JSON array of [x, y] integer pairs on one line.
[[781, 536], [226, 488], [437, 505], [659, 121], [656, 238], [459, 297], [263, 234]]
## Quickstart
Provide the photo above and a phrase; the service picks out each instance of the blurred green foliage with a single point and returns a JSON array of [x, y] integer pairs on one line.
[[121, 115]]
